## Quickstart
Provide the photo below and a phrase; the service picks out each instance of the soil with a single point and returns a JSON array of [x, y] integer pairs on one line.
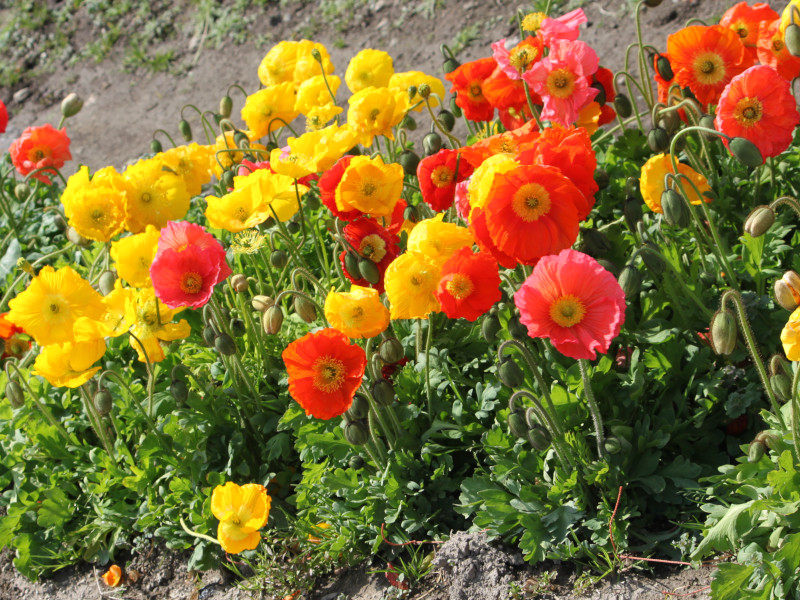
[[115, 127]]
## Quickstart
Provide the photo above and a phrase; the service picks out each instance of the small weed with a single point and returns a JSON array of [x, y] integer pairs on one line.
[[465, 38]]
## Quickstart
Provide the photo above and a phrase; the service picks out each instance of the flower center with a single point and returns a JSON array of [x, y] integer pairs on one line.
[[442, 176], [533, 21], [748, 111], [561, 83], [777, 44], [191, 283], [460, 286], [368, 187], [329, 374], [38, 154], [567, 311], [97, 215], [241, 214], [521, 58], [741, 30], [373, 115], [530, 202], [475, 91], [709, 68], [146, 197], [373, 247], [357, 314]]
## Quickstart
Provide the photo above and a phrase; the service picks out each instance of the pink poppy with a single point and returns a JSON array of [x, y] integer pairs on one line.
[[575, 302], [566, 27]]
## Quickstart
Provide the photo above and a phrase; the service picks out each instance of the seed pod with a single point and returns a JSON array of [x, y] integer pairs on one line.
[[305, 309], [179, 391], [755, 451], [516, 423], [356, 462], [369, 270], [103, 402], [272, 320], [782, 386], [630, 280], [517, 330], [359, 409], [675, 211], [391, 350], [351, 265], [278, 258], [261, 303], [723, 332], [409, 160], [431, 143], [784, 296], [71, 105], [293, 227], [209, 335], [447, 119], [623, 106], [601, 178], [226, 107], [658, 139], [539, 437], [14, 394], [746, 152], [490, 327], [239, 283], [408, 123], [652, 258], [357, 433], [106, 282], [791, 37], [225, 344], [186, 130], [758, 222], [237, 327], [450, 65], [383, 392], [510, 374]]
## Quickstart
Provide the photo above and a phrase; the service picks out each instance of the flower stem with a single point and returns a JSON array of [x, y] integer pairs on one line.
[[597, 419]]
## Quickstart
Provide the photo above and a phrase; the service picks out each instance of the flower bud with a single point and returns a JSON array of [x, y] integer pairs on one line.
[[758, 222], [103, 402], [106, 282], [632, 211], [408, 123], [707, 121], [383, 392], [357, 433], [517, 330], [516, 424], [156, 147], [77, 239], [261, 303], [293, 227], [278, 258], [25, 266], [455, 108], [409, 160], [226, 107], [594, 243], [630, 280], [609, 266], [746, 152], [305, 309], [755, 451], [239, 283], [186, 130], [787, 290], [351, 265], [359, 409], [600, 98], [241, 141], [237, 327], [676, 213], [664, 68], [227, 179], [510, 374], [369, 270], [447, 119], [601, 178], [209, 335], [612, 445], [179, 391], [391, 350], [450, 65], [272, 320], [22, 191], [769, 438], [71, 105], [658, 139], [782, 386], [14, 394], [424, 90], [539, 437], [490, 328], [356, 462], [225, 344], [723, 332], [431, 143], [670, 121], [791, 37], [623, 106], [411, 91], [652, 258], [316, 55]]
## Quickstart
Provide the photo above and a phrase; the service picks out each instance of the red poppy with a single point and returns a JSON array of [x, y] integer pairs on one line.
[[3, 117], [480, 231], [758, 105], [605, 78], [772, 51], [438, 175], [327, 189], [572, 300], [503, 92], [325, 370], [40, 148], [467, 83], [374, 242], [11, 335], [512, 118], [744, 20], [470, 285], [569, 149], [510, 142], [705, 59]]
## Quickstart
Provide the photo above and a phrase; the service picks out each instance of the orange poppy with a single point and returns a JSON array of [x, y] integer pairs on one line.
[[772, 51], [504, 92], [744, 20], [113, 577], [470, 285], [705, 59], [42, 147], [467, 83], [325, 370]]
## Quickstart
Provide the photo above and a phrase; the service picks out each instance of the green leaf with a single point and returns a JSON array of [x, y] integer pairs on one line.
[[729, 580], [723, 536], [55, 510]]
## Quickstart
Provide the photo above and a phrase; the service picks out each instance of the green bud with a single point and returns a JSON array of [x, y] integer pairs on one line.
[[450, 65], [383, 392], [179, 391], [632, 211], [272, 320], [357, 433], [510, 374], [623, 106], [600, 98], [71, 105], [103, 402], [758, 222], [609, 266], [209, 335], [409, 160], [241, 141], [186, 130], [411, 91], [226, 107], [707, 121], [261, 303], [447, 119], [455, 108], [653, 258], [293, 227], [432, 143], [516, 329], [156, 147], [612, 445], [22, 191], [755, 451], [664, 68], [237, 327], [630, 280], [539, 437], [305, 309], [675, 211], [351, 265], [408, 123], [746, 152], [516, 424], [225, 344], [14, 394], [490, 328], [239, 283], [424, 90], [391, 350], [106, 282], [723, 332], [369, 270], [278, 258], [791, 37], [782, 386], [359, 409], [601, 178], [670, 121], [658, 139], [77, 239], [227, 179], [356, 462]]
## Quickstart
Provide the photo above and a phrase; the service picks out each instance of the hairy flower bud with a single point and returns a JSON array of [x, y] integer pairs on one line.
[[185, 129], [630, 280], [359, 409], [787, 290], [357, 433], [424, 90], [179, 391], [539, 437], [746, 152], [71, 105], [305, 309], [278, 258], [14, 394], [409, 160], [490, 328], [391, 350], [723, 332], [758, 222], [675, 211], [623, 106], [103, 402], [272, 320], [106, 282], [509, 373], [369, 270], [226, 107], [791, 37], [225, 344], [261, 303], [658, 139], [516, 424], [239, 283], [431, 143], [664, 68], [383, 392]]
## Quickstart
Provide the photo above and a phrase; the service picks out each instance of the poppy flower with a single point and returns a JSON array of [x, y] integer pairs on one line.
[[572, 300], [241, 511], [69, 364], [562, 80], [193, 163], [438, 175], [374, 111], [411, 282], [369, 68], [772, 51], [373, 242], [504, 93], [605, 78], [758, 105], [468, 80], [358, 313], [403, 81], [179, 235], [3, 117], [565, 27], [469, 285], [370, 186], [744, 20], [480, 229], [13, 342], [705, 59], [269, 109], [112, 577], [438, 240], [42, 147], [651, 182], [133, 255], [151, 323], [325, 370], [520, 58], [328, 183], [154, 195], [531, 212]]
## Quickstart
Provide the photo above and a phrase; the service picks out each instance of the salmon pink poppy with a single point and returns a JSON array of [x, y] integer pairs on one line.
[[565, 27], [572, 300], [42, 147], [520, 58], [744, 20], [758, 105], [467, 83], [325, 370], [772, 51], [438, 175], [469, 285]]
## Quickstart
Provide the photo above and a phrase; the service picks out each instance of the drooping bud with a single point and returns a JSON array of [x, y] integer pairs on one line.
[[758, 222], [450, 65], [383, 392], [261, 303], [272, 320], [227, 179], [630, 280], [791, 37], [106, 282], [669, 120], [209, 334], [357, 433], [601, 178], [351, 265], [707, 121], [14, 394], [77, 239], [22, 191], [723, 332], [278, 258], [658, 139], [186, 130], [447, 119], [103, 402], [539, 437], [359, 409], [517, 330], [408, 123], [490, 328], [632, 211], [226, 107], [369, 270], [237, 327], [239, 283], [293, 227], [623, 106], [609, 266], [225, 344], [411, 91], [71, 105], [516, 423], [391, 350], [305, 309], [356, 462], [179, 391], [746, 152], [664, 68], [510, 374], [600, 98], [612, 445], [156, 147], [455, 108], [409, 160], [675, 211], [594, 243], [652, 258], [431, 143], [787, 290], [755, 451], [782, 386]]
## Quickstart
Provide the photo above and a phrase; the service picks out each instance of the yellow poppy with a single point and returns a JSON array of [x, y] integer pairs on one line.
[[438, 240], [319, 116], [242, 511], [410, 282], [296, 163], [155, 195], [372, 111], [151, 324], [307, 66], [651, 182], [95, 206], [313, 93], [369, 68], [133, 256], [69, 365], [358, 313], [269, 109], [327, 145], [482, 180], [402, 81], [370, 186], [193, 163]]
